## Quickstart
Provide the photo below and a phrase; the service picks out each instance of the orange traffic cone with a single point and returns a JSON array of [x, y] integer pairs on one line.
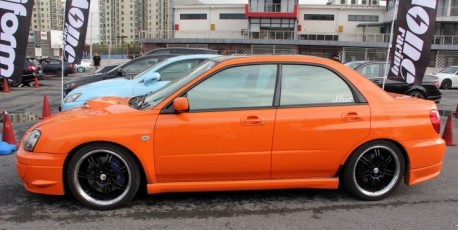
[[448, 132], [8, 135], [456, 112], [46, 108], [6, 88], [36, 84]]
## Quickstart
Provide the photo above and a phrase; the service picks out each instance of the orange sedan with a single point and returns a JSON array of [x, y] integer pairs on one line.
[[238, 123]]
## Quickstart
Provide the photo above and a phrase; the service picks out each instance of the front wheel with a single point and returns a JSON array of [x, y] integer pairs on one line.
[[374, 170], [103, 176], [80, 69], [58, 73], [446, 84]]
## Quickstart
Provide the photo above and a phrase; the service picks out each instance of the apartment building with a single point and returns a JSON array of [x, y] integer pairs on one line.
[[47, 15]]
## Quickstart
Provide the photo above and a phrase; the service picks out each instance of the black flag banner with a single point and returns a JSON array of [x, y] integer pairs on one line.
[[15, 19], [412, 39], [75, 28]]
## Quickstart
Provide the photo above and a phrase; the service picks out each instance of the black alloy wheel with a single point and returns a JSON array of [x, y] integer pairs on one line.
[[103, 176], [446, 84], [374, 170]]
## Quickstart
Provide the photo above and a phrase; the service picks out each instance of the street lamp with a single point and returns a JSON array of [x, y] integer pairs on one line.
[[122, 43]]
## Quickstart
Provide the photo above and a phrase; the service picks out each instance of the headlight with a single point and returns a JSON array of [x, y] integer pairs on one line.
[[31, 140], [72, 98], [70, 85]]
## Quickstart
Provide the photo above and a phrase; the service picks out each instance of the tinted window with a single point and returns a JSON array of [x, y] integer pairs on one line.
[[140, 66], [175, 70], [303, 85], [237, 87]]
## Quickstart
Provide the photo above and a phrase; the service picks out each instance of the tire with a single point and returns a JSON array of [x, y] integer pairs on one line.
[[80, 69], [15, 83], [58, 73], [374, 170], [103, 176], [417, 94], [446, 84]]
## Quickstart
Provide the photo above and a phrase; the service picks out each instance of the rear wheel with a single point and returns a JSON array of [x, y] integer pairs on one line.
[[374, 170], [103, 176], [417, 94], [446, 84]]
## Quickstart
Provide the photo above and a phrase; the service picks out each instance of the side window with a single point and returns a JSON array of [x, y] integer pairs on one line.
[[307, 85], [140, 66], [175, 70], [370, 71], [236, 87]]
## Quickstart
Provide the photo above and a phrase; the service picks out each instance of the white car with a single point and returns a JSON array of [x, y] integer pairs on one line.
[[83, 66], [448, 77]]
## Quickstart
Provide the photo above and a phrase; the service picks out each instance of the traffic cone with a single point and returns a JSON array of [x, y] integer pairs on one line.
[[8, 135], [46, 108], [36, 84], [456, 112], [6, 88], [448, 132]]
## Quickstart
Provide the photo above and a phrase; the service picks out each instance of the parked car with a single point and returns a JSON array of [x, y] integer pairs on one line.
[[129, 86], [238, 123], [30, 70], [448, 77], [83, 66], [106, 68], [130, 68], [53, 66], [374, 71], [182, 51]]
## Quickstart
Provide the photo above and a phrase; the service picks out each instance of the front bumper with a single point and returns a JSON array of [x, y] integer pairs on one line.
[[41, 172]]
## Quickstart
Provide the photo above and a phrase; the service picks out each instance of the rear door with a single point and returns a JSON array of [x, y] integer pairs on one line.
[[319, 121]]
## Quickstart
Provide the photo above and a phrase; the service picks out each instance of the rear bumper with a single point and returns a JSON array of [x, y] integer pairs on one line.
[[41, 172]]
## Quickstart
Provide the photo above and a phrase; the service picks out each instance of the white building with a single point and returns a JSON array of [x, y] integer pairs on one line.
[[353, 29]]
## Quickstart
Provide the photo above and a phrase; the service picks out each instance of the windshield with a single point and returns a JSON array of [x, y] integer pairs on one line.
[[450, 70], [151, 100]]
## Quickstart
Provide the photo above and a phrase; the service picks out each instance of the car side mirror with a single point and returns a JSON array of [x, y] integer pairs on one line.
[[120, 72], [181, 104], [152, 77]]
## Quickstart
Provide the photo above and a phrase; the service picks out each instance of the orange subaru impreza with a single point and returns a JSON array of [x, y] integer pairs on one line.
[[238, 123]]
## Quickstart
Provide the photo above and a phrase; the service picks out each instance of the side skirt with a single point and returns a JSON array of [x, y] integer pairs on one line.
[[268, 184]]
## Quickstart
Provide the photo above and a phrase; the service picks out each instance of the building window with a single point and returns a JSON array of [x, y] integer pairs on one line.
[[319, 17], [363, 18], [193, 16], [232, 16]]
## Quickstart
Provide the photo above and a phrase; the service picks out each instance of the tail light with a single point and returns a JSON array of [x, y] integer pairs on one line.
[[435, 120], [32, 68], [72, 65], [436, 83]]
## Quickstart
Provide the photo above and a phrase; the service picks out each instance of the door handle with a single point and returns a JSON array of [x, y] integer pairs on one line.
[[252, 120], [351, 116]]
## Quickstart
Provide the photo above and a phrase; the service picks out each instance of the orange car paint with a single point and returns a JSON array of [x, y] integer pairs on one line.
[[179, 157]]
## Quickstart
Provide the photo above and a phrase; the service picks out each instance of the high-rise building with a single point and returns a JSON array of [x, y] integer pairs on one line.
[[47, 15]]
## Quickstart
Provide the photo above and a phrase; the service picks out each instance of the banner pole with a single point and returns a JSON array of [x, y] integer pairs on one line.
[[63, 54], [395, 13]]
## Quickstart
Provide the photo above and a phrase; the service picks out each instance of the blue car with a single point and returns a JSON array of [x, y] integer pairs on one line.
[[150, 80]]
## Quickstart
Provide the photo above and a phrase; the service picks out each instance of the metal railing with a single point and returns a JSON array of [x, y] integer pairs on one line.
[[282, 35]]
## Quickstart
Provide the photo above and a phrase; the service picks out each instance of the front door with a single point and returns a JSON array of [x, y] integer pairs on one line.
[[226, 135]]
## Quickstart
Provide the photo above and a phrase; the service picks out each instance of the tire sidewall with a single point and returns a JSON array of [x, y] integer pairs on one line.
[[446, 84], [132, 163], [347, 175]]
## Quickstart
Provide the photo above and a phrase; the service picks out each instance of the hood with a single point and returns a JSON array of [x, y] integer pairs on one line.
[[106, 83], [99, 110]]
